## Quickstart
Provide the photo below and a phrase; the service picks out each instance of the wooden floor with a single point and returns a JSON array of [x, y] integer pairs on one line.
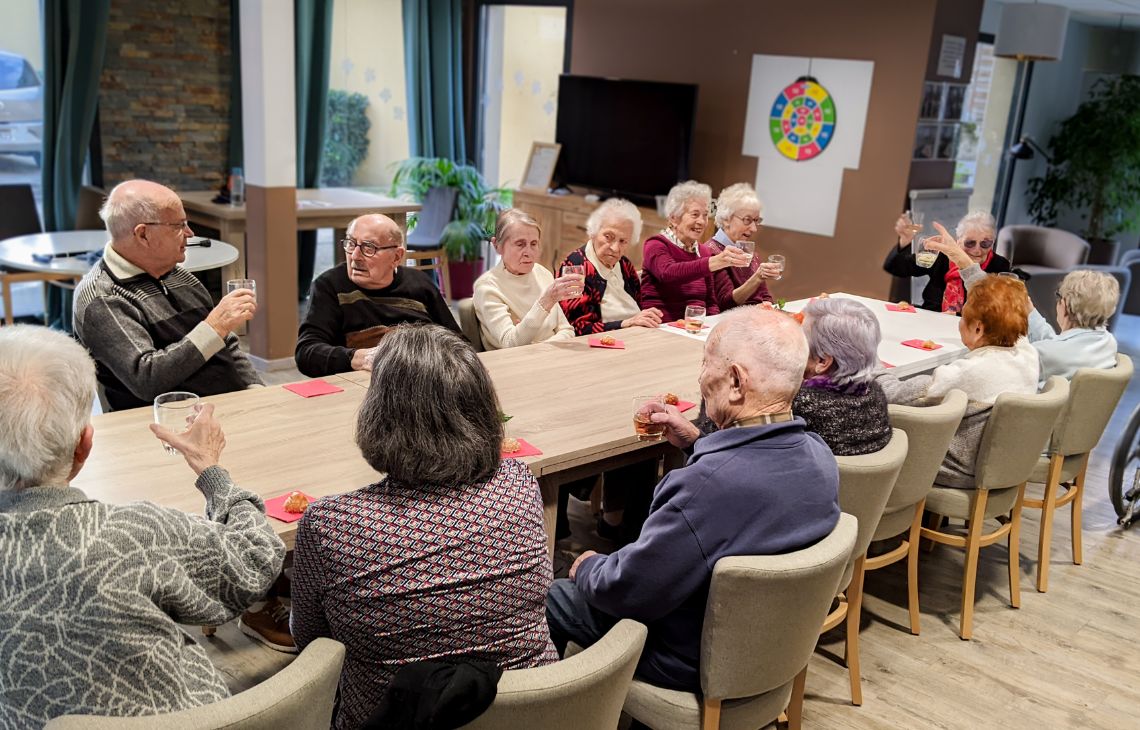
[[1066, 658]]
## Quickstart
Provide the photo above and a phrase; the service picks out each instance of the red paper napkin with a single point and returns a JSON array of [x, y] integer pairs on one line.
[[917, 344], [886, 364], [311, 388], [597, 342], [275, 508], [680, 324], [527, 449], [898, 308], [684, 405]]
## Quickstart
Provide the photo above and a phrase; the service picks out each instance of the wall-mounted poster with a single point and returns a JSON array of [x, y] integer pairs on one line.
[[955, 102], [947, 142], [931, 101], [801, 181], [926, 142]]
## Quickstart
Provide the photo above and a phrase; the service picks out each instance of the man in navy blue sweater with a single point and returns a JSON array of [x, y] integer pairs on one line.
[[761, 485]]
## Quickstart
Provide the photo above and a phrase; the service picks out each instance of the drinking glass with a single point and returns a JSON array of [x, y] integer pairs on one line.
[[234, 284], [570, 270], [176, 411], [643, 407], [694, 318], [779, 260], [749, 249], [923, 256]]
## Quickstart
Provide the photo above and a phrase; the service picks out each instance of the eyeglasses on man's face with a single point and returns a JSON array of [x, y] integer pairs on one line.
[[985, 244], [177, 225], [368, 248]]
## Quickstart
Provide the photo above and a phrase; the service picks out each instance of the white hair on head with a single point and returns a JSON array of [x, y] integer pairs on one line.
[[614, 209], [682, 193], [126, 207], [767, 343], [976, 219], [847, 331], [47, 385], [1090, 297], [732, 199]]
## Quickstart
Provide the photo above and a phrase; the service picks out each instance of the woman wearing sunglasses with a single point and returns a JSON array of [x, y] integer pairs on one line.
[[945, 291]]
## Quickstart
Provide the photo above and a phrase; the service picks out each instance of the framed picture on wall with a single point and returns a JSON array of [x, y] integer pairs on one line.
[[540, 166], [955, 102], [926, 142], [931, 101], [947, 148]]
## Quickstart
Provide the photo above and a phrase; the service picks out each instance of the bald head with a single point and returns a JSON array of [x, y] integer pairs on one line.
[[754, 363], [375, 227], [134, 202]]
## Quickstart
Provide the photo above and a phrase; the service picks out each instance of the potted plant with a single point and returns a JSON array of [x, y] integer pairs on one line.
[[1095, 167], [476, 208]]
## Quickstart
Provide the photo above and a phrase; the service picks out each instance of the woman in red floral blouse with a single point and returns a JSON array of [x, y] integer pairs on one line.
[[611, 297], [444, 557]]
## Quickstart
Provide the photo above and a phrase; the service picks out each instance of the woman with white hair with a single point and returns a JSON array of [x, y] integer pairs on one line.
[[611, 297], [839, 398], [677, 270], [739, 214], [517, 301], [945, 292]]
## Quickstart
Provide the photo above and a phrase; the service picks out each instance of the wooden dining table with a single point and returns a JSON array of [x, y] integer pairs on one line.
[[572, 401]]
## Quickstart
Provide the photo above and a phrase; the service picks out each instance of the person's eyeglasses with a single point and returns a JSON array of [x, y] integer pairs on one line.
[[986, 244], [368, 248], [748, 221], [179, 225]]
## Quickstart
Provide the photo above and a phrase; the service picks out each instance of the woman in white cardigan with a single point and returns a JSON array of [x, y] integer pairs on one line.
[[1000, 360], [517, 301]]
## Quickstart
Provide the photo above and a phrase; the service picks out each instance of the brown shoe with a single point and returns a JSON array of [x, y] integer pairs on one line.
[[270, 626]]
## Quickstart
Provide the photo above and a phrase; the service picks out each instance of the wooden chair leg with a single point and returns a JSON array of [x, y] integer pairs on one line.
[[851, 649], [796, 703], [1075, 506], [933, 522], [912, 566], [970, 575], [1048, 508], [445, 277], [6, 287], [711, 714], [209, 630], [1015, 549]]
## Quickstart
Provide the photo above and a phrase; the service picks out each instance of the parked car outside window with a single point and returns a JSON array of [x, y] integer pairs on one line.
[[21, 107]]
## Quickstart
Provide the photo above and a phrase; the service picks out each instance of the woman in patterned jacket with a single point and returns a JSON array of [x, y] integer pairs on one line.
[[611, 297], [445, 557]]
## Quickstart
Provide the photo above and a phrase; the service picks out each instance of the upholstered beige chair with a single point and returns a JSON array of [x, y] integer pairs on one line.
[[299, 697], [469, 323], [929, 431], [762, 622], [865, 484], [585, 690], [1093, 395], [1016, 433]]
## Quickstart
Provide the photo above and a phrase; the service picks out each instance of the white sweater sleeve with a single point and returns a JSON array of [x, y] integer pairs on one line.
[[496, 324]]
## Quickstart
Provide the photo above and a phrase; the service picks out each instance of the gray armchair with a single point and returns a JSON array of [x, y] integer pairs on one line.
[[1035, 249], [469, 323]]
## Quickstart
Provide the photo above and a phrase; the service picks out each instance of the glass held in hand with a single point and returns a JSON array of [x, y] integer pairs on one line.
[[924, 256], [748, 248], [694, 318], [175, 411], [234, 284], [644, 406], [779, 261], [571, 270]]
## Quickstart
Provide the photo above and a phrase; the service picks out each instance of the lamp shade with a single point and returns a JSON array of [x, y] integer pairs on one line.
[[1031, 31]]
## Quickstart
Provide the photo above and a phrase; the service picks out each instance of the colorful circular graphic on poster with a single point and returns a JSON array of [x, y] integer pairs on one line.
[[802, 122]]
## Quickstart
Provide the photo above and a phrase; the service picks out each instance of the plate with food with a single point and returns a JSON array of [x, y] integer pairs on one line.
[[607, 342], [288, 507]]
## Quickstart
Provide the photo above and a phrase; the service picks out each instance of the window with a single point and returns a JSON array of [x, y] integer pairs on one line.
[[21, 95]]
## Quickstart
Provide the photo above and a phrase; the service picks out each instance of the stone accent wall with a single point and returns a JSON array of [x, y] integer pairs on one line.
[[164, 102]]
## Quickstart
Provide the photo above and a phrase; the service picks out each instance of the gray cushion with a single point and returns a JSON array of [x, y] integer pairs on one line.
[[956, 502]]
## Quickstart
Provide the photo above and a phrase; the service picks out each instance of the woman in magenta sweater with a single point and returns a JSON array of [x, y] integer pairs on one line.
[[676, 269]]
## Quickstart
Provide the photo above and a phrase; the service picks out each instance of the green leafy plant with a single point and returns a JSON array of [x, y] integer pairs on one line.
[[346, 137], [476, 207], [1096, 163]]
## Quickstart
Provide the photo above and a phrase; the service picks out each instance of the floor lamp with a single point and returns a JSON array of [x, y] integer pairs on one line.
[[1028, 32]]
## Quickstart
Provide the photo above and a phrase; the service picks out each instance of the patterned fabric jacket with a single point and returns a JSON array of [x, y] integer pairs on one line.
[[402, 573], [92, 594], [585, 312]]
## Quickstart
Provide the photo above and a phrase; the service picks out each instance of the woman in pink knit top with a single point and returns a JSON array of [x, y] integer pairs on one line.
[[676, 269]]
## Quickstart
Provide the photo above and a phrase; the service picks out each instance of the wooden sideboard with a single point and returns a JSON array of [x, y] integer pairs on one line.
[[563, 222]]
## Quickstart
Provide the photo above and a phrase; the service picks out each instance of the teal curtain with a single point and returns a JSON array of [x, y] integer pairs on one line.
[[433, 53], [75, 35], [236, 151], [312, 20]]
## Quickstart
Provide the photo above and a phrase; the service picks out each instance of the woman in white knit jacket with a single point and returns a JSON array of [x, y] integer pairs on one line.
[[517, 301], [1000, 360]]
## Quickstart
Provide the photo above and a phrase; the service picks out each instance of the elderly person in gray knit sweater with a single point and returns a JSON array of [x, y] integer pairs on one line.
[[93, 593], [839, 398]]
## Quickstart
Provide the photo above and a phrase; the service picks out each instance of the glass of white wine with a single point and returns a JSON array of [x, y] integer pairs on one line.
[[924, 256]]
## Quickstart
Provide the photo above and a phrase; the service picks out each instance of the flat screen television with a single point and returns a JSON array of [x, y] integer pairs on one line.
[[624, 138]]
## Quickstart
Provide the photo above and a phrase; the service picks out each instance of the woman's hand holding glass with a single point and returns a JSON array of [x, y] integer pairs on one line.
[[728, 258], [201, 444], [907, 227], [569, 286], [651, 317]]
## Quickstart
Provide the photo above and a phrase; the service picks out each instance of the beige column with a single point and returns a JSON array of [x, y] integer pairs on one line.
[[269, 131]]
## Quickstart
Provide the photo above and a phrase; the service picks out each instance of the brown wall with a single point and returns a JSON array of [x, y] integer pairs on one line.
[[711, 44], [164, 96]]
